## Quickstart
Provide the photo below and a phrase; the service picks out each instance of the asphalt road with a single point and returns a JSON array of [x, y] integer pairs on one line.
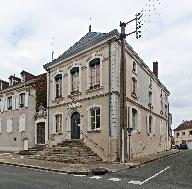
[[172, 172]]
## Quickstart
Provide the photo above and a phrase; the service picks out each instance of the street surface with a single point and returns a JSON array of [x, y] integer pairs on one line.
[[170, 173]]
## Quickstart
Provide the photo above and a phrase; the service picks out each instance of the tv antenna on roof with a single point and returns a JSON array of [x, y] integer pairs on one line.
[[52, 45]]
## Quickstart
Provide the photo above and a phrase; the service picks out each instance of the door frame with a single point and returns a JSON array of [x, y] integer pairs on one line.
[[77, 126], [46, 129]]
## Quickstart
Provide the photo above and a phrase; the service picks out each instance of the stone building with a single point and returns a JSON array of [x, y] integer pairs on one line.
[[17, 113], [83, 98], [183, 134]]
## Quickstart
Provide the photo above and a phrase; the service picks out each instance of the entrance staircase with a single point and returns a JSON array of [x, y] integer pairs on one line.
[[69, 151], [33, 150]]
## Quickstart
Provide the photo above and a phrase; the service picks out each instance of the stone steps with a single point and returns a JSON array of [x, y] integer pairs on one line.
[[73, 151]]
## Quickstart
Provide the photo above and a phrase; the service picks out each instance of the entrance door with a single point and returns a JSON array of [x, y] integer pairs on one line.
[[75, 125], [41, 133]]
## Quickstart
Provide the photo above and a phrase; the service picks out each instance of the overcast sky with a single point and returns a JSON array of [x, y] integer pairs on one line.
[[28, 26]]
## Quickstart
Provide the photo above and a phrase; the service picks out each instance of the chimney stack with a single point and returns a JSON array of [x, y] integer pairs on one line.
[[155, 68]]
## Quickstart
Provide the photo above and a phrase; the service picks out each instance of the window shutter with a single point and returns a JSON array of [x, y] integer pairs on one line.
[[17, 102], [153, 126], [5, 104], [13, 102], [2, 104], [22, 123], [54, 124], [0, 125], [130, 118], [139, 121], [147, 123], [26, 99]]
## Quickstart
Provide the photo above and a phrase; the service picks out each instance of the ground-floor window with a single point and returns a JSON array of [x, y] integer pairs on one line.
[[58, 123], [95, 118]]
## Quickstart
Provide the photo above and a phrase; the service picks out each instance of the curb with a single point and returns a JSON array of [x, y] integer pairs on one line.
[[89, 172]]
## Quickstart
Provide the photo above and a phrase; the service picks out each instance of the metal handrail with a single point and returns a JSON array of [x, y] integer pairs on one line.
[[97, 145]]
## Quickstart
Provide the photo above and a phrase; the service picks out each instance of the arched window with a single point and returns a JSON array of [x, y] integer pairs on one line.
[[58, 86], [74, 80], [94, 73]]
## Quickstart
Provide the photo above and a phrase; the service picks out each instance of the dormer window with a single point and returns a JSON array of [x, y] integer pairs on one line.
[[74, 80], [94, 73], [9, 103], [22, 100], [58, 86]]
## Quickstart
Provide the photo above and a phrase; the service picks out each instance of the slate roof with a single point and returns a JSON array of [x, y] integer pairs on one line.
[[90, 39], [184, 126], [93, 38]]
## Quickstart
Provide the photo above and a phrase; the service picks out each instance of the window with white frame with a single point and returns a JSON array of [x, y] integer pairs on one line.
[[134, 118], [95, 118], [150, 124], [58, 123], [134, 86], [150, 82], [22, 100], [74, 80], [94, 73], [161, 106], [9, 103], [150, 98], [58, 86], [134, 67]]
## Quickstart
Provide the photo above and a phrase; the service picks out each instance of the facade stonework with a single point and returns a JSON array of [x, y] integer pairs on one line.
[[97, 106]]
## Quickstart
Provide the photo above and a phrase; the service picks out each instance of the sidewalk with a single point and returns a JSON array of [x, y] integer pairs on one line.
[[25, 161]]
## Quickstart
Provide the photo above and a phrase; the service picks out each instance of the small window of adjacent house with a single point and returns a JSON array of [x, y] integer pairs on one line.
[[150, 124], [58, 123], [150, 98], [150, 82], [9, 103], [134, 118], [74, 80], [161, 106], [94, 73], [190, 132], [166, 110], [183, 133], [177, 135], [22, 100], [134, 86], [161, 95], [134, 67], [95, 118], [58, 86]]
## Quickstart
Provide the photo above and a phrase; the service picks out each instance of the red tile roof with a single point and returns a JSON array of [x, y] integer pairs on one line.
[[184, 126]]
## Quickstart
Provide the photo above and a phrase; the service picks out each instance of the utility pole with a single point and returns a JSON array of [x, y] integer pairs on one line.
[[123, 105]]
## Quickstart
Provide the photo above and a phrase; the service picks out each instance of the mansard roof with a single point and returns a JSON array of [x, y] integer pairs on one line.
[[91, 39], [184, 126]]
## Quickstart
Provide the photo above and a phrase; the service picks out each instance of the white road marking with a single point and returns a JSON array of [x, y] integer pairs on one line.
[[114, 179], [140, 183], [95, 177], [79, 175], [21, 157], [62, 173]]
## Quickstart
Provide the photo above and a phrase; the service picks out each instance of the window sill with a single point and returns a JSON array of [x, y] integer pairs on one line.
[[59, 133], [161, 112], [57, 99], [94, 89], [94, 131], [150, 106], [134, 96], [76, 93]]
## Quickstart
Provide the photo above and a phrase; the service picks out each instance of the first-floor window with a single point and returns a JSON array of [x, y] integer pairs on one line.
[[95, 118], [22, 100], [58, 123], [134, 118], [150, 124], [134, 86], [9, 103]]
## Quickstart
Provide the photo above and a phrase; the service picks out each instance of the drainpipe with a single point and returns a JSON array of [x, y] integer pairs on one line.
[[48, 102], [109, 148]]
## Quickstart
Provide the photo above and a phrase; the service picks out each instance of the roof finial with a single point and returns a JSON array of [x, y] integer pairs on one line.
[[90, 26]]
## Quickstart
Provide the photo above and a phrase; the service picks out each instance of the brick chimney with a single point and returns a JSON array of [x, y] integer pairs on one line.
[[155, 68]]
